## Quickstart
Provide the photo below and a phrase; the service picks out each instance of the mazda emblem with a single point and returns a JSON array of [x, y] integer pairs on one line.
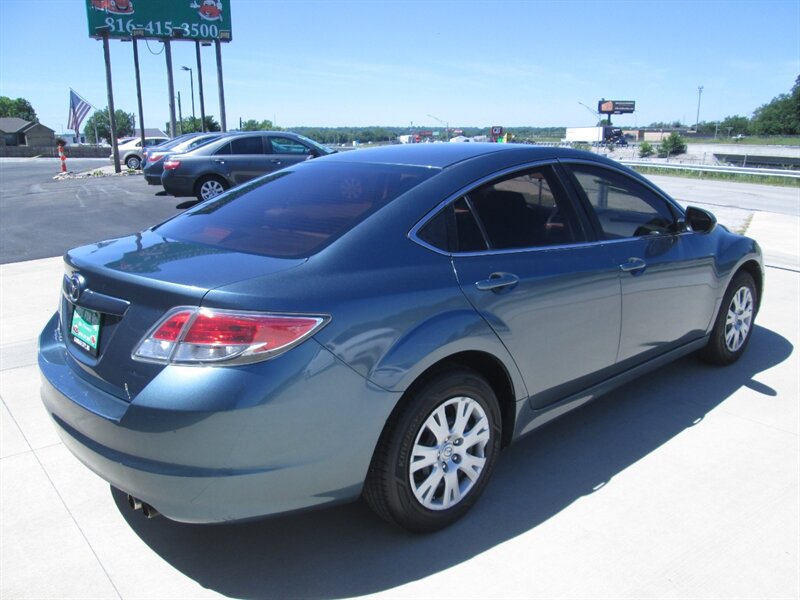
[[75, 285]]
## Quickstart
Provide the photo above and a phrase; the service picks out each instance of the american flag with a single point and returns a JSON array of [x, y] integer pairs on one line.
[[78, 109]]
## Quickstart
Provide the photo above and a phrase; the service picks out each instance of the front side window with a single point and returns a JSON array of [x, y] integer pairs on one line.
[[283, 145], [623, 207]]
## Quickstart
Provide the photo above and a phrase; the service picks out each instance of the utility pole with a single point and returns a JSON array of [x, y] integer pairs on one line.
[[697, 120]]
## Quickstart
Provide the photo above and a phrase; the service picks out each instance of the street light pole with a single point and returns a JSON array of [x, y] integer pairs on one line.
[[180, 115], [200, 84], [594, 112], [191, 83], [446, 127], [697, 120]]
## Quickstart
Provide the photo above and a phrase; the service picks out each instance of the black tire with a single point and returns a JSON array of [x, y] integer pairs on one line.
[[133, 162], [209, 186], [430, 497], [735, 321]]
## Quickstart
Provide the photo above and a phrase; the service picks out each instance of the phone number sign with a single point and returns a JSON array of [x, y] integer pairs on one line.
[[189, 19]]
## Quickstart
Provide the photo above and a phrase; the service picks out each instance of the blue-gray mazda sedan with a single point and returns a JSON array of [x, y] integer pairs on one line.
[[379, 323]]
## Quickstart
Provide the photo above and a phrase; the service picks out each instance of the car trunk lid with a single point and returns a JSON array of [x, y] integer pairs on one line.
[[115, 291]]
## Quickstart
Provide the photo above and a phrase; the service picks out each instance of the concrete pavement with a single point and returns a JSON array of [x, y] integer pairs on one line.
[[683, 484]]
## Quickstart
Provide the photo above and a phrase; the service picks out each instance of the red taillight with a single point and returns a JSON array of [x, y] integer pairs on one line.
[[172, 327], [156, 156], [197, 336], [171, 164]]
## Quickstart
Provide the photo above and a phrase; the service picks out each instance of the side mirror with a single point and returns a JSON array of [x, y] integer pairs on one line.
[[312, 153], [700, 220]]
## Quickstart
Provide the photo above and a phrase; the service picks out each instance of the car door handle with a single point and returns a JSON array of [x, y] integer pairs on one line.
[[634, 265], [497, 282], [219, 161], [275, 161]]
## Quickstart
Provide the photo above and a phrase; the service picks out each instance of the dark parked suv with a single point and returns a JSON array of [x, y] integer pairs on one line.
[[211, 169]]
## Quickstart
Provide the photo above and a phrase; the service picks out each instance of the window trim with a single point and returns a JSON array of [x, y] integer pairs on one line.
[[581, 221], [678, 212]]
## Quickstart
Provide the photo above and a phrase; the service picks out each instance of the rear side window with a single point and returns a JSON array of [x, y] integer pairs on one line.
[[248, 145], [295, 212], [454, 229], [525, 210]]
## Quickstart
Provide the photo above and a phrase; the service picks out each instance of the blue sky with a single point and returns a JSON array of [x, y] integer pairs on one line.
[[380, 62]]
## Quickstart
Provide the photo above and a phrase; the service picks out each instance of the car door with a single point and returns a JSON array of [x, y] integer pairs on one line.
[[525, 263], [248, 158], [666, 272], [286, 151]]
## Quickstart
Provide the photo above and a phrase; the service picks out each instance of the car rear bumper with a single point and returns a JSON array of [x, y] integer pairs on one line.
[[206, 445], [176, 185]]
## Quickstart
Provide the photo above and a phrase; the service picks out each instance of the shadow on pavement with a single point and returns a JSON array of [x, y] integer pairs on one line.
[[347, 551]]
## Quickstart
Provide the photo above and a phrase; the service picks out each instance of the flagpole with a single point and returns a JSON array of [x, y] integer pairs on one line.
[[94, 121]]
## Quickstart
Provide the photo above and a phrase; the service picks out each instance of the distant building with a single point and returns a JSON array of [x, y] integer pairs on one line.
[[19, 132], [149, 132]]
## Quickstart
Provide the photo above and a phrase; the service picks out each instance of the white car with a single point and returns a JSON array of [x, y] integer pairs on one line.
[[130, 151]]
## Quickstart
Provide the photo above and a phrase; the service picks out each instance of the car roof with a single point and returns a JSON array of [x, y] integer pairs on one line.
[[443, 155]]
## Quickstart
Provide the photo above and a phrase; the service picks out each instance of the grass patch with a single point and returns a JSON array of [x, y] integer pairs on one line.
[[712, 175], [783, 140]]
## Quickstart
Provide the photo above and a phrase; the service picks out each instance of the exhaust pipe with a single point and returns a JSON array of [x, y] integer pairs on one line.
[[147, 510]]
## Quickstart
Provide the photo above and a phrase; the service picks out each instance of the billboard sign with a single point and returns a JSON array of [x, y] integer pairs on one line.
[[615, 107], [186, 19]]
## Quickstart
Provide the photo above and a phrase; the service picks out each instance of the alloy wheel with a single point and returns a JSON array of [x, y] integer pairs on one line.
[[211, 188], [449, 453], [739, 319]]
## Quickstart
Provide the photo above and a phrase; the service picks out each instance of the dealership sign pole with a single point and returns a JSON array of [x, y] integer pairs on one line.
[[112, 121], [207, 21]]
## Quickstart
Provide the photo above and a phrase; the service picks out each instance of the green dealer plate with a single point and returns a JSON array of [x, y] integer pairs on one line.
[[85, 329]]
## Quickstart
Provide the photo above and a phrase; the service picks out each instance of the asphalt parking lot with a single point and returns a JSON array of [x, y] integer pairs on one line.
[[684, 484], [43, 217]]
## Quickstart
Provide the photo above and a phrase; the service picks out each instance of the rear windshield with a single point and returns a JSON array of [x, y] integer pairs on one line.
[[295, 212]]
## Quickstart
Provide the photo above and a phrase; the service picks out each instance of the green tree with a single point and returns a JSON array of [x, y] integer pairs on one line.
[[735, 125], [192, 125], [780, 116], [671, 145], [665, 125], [706, 128], [253, 125], [125, 125], [646, 149], [18, 107]]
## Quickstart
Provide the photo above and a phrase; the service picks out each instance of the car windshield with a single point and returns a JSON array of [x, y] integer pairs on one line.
[[192, 143], [295, 212]]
